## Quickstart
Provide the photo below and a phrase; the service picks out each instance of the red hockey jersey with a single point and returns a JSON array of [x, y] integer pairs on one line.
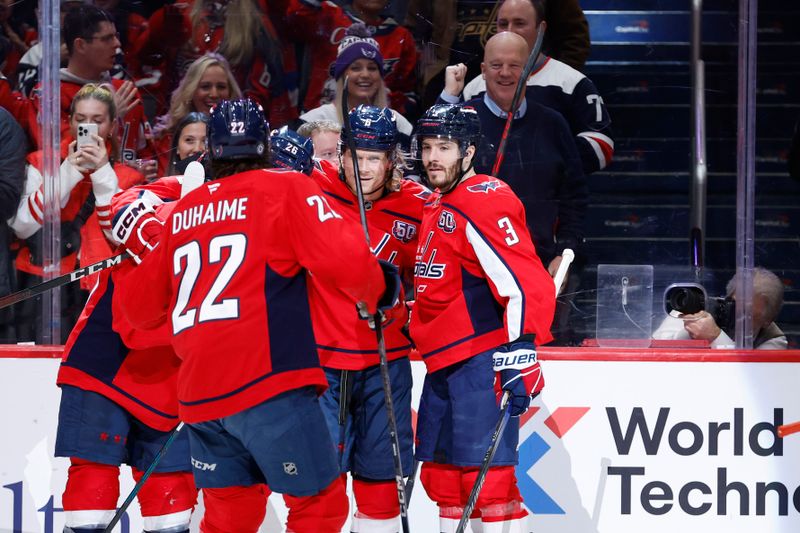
[[100, 356], [322, 25], [343, 340], [478, 280], [229, 273], [137, 369]]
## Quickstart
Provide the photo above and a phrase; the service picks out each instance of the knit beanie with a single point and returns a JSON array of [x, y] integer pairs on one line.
[[357, 44]]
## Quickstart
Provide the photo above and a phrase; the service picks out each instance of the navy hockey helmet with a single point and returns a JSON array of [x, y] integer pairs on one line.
[[237, 130], [448, 121], [289, 149], [373, 128]]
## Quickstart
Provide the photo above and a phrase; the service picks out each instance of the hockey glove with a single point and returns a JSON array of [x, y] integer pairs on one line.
[[518, 372], [138, 228], [391, 277], [390, 296]]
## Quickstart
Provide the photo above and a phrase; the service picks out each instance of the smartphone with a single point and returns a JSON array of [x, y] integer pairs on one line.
[[85, 133]]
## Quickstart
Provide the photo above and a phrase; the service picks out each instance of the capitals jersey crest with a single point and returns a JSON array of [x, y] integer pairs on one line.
[[484, 187]]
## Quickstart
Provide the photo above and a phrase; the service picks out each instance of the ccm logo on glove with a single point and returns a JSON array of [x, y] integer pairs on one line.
[[132, 214], [518, 359]]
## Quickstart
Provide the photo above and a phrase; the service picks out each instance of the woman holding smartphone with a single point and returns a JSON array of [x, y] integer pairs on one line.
[[90, 175]]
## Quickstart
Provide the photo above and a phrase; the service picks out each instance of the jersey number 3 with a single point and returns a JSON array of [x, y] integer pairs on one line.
[[188, 260], [505, 223]]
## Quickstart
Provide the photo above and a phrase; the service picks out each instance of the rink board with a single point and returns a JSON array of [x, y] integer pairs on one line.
[[664, 443]]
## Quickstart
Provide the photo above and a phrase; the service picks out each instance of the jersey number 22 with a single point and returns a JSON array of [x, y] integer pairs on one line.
[[189, 260]]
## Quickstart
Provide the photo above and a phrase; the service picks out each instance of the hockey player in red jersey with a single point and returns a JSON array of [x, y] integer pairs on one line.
[[354, 403], [119, 405], [483, 303], [229, 276]]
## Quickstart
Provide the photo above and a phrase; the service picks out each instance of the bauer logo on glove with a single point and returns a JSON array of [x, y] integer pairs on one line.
[[518, 359]]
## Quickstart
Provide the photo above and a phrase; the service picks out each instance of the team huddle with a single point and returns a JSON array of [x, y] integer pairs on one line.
[[273, 309]]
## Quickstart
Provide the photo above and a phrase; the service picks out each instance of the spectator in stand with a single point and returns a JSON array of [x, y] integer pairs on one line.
[[558, 86], [435, 26], [92, 41], [130, 26], [325, 136], [330, 23], [360, 60], [240, 31], [26, 76], [89, 176], [16, 38], [12, 180], [207, 81], [188, 142], [541, 162], [767, 305]]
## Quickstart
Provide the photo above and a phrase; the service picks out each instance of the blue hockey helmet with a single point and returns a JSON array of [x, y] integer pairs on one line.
[[237, 130], [448, 121], [373, 128], [289, 149]]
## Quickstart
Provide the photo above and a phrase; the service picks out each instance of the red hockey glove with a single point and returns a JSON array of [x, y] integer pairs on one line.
[[138, 228], [518, 372]]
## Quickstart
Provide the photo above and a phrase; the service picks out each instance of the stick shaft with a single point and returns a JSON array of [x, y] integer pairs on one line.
[[140, 484], [384, 364], [505, 414], [521, 84], [75, 275]]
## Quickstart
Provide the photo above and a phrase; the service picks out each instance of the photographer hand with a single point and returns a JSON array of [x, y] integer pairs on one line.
[[701, 326]]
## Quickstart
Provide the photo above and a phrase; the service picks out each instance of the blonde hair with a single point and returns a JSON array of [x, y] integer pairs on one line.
[[103, 93], [318, 126], [181, 101], [397, 158], [379, 100], [242, 24]]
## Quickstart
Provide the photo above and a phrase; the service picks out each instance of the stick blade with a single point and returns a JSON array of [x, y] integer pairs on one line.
[[194, 177]]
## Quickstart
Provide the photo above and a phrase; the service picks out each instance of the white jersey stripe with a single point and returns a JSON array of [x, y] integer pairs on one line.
[[503, 279]]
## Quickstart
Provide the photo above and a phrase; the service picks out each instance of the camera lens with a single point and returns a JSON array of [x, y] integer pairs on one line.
[[686, 300]]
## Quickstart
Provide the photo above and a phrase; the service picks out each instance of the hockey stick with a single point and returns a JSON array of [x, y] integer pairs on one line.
[[412, 478], [384, 363], [75, 275], [521, 84], [505, 408], [138, 486], [190, 182], [568, 255]]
